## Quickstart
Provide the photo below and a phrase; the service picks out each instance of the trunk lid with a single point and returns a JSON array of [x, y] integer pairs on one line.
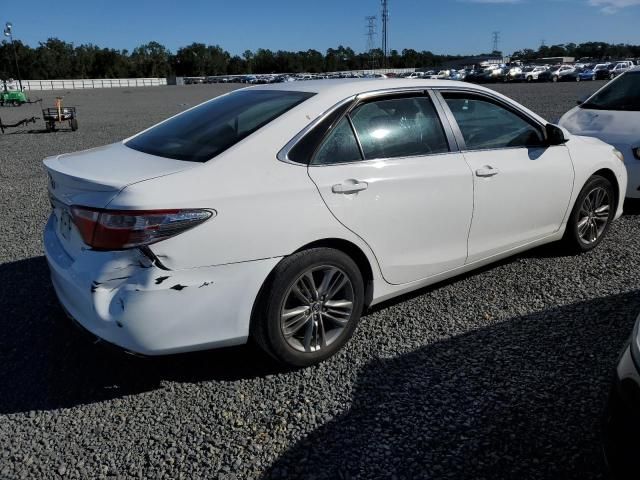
[[94, 177]]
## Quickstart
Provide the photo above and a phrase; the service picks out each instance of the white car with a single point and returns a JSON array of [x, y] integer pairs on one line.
[[531, 74], [281, 212], [612, 114], [620, 68]]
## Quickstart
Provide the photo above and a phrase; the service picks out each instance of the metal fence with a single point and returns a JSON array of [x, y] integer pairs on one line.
[[92, 83]]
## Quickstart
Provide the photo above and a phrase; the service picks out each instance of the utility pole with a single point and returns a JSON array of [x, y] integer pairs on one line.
[[385, 32], [8, 32], [496, 41], [371, 35]]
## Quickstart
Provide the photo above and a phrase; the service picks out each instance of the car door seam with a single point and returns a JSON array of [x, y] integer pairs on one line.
[[338, 220]]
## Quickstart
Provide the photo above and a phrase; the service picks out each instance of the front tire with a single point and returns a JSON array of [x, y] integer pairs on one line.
[[309, 307], [591, 216]]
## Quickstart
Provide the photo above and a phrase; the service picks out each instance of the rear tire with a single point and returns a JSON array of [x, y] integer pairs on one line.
[[73, 123], [591, 216], [554, 79], [309, 307]]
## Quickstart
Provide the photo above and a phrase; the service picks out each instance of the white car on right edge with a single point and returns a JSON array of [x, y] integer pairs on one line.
[[612, 114]]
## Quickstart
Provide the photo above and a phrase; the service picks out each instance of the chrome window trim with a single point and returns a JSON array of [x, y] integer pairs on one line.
[[386, 159], [508, 105], [283, 154]]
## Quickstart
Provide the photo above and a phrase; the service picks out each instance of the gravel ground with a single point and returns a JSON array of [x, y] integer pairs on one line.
[[499, 374]]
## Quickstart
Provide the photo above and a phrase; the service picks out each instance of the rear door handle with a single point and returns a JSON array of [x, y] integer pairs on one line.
[[349, 186], [487, 171]]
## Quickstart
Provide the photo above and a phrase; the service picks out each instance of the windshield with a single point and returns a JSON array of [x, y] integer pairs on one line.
[[203, 132], [622, 94]]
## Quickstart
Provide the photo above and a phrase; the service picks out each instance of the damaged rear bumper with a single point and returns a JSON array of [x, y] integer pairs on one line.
[[125, 299]]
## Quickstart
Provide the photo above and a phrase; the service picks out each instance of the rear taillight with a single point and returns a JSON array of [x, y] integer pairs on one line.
[[120, 229]]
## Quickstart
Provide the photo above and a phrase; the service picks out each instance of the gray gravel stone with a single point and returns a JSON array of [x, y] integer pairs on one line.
[[501, 373]]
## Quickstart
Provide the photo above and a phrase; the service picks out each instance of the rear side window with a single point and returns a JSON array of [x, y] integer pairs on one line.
[[487, 125], [399, 127], [202, 133], [340, 146], [621, 95]]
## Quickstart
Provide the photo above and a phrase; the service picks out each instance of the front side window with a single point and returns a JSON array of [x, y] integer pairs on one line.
[[621, 95], [400, 127], [203, 132], [487, 125]]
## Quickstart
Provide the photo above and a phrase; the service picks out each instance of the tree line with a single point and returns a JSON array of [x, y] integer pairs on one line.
[[57, 59]]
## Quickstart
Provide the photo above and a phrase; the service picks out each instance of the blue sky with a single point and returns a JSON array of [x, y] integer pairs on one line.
[[455, 26]]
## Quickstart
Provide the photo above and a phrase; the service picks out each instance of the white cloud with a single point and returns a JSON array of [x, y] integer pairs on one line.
[[612, 6]]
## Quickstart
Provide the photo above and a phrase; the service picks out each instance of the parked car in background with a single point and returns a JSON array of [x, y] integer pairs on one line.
[[414, 75], [612, 114], [554, 73], [530, 74], [622, 416], [473, 75], [586, 74], [512, 74], [602, 71], [181, 238], [577, 75], [620, 68]]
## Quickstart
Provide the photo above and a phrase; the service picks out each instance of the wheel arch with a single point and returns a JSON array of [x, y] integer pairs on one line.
[[609, 175], [356, 254], [345, 246]]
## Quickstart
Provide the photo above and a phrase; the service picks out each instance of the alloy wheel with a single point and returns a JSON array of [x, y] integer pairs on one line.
[[594, 215], [317, 308]]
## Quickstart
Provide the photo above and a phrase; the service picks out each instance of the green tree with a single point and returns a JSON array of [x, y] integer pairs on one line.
[[151, 60]]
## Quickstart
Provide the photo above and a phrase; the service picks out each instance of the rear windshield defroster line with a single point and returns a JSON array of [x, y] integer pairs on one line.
[[204, 132]]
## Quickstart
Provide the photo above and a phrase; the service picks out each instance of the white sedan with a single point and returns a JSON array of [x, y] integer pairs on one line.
[[281, 212], [612, 114]]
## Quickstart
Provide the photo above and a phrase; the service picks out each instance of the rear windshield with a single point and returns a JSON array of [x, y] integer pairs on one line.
[[622, 94], [203, 132]]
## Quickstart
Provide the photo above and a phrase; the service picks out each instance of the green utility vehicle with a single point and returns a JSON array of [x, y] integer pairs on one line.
[[12, 97]]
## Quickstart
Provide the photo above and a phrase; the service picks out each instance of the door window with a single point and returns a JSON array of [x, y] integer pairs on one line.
[[340, 146], [399, 127], [487, 125]]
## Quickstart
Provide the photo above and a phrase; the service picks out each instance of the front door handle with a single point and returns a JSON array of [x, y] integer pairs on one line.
[[487, 171], [349, 186]]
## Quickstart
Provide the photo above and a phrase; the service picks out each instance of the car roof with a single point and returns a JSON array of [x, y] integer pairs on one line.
[[348, 87], [329, 92]]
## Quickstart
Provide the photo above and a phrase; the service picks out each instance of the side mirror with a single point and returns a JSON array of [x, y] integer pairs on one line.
[[555, 135]]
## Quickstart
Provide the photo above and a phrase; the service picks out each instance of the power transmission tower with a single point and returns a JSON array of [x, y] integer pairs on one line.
[[496, 41], [371, 38], [543, 42], [385, 32]]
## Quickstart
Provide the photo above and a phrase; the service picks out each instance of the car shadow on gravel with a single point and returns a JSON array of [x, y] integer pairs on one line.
[[48, 363], [506, 401], [632, 206]]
